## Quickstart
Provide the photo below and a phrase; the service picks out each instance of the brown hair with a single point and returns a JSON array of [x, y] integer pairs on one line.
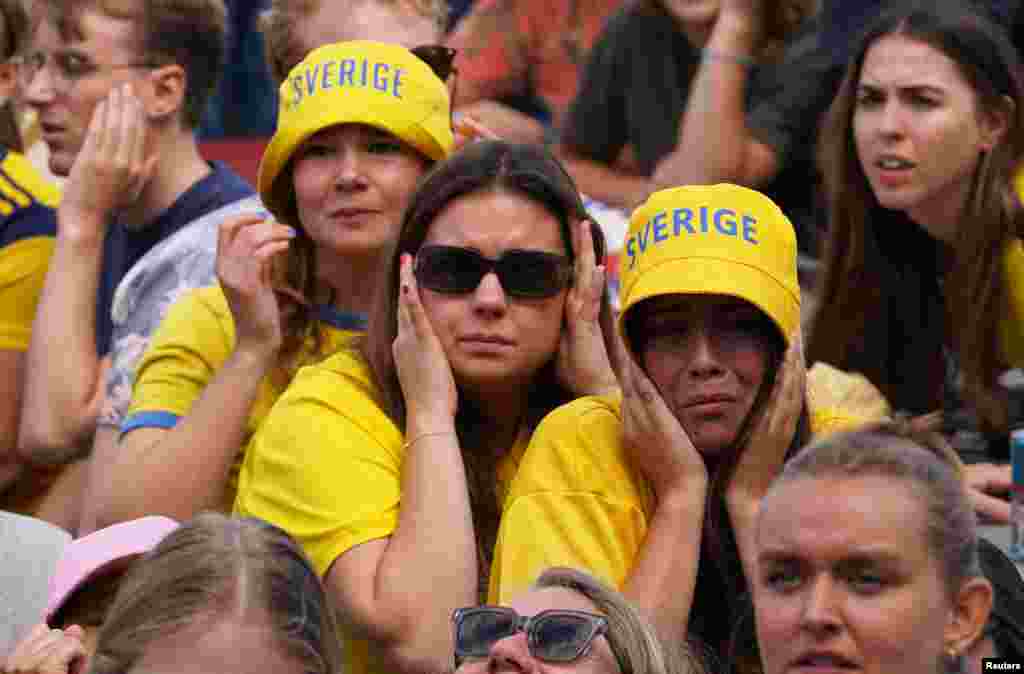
[[481, 166], [633, 640], [14, 31], [189, 33], [881, 310], [278, 25], [88, 605], [925, 462], [218, 568]]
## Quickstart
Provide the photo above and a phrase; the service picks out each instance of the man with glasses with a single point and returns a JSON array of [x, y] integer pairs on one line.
[[119, 88]]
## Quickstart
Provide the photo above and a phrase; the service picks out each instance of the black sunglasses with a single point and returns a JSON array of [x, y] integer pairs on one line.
[[552, 636], [440, 58], [530, 274]]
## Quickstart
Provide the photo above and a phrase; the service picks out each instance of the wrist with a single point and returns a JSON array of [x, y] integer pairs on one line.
[[81, 227], [423, 422], [684, 497], [737, 31], [257, 358]]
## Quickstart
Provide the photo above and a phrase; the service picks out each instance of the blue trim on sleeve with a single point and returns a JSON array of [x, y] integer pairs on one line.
[[342, 320], [158, 419]]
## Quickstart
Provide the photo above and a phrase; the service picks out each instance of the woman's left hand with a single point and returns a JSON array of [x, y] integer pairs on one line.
[[772, 429], [582, 360]]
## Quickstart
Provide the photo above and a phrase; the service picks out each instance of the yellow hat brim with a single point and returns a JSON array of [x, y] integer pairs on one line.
[[715, 276]]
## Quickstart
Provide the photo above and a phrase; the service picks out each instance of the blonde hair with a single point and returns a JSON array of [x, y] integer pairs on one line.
[[278, 25], [634, 642], [217, 568]]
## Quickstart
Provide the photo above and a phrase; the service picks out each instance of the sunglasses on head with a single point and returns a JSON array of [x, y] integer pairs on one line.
[[440, 58], [523, 273], [552, 636]]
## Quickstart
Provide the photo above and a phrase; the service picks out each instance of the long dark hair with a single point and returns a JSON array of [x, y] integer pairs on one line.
[[882, 309], [479, 167]]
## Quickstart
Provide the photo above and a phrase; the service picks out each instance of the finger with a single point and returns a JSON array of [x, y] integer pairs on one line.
[[228, 229], [76, 631], [411, 295], [991, 507], [472, 129], [38, 648], [95, 136], [136, 131], [63, 654], [405, 326], [27, 644], [269, 249]]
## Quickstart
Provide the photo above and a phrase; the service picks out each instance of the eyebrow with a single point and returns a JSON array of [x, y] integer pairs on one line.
[[924, 87]]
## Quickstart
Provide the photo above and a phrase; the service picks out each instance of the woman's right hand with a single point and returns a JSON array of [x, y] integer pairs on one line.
[[246, 247], [423, 369], [48, 651], [653, 436]]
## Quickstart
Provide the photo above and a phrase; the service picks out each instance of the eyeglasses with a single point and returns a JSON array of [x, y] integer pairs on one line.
[[530, 274], [552, 636], [68, 68], [440, 58]]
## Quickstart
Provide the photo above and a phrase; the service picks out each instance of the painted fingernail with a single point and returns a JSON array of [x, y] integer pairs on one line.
[[292, 233], [405, 288]]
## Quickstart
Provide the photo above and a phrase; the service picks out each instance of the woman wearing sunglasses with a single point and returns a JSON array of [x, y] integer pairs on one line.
[[655, 493], [346, 156], [566, 619], [389, 464]]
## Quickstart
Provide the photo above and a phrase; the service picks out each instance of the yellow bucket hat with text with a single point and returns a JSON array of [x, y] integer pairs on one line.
[[712, 239], [359, 82]]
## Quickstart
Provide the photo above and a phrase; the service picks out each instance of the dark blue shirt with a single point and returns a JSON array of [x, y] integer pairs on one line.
[[123, 247]]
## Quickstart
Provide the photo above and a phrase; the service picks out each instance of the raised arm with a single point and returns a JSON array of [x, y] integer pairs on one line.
[[664, 574], [195, 389], [714, 143], [386, 521], [64, 386]]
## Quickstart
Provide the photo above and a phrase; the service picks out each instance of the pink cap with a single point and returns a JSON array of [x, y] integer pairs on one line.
[[89, 555]]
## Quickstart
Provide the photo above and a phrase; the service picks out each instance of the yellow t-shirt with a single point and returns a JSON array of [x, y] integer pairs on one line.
[[577, 501], [326, 466], [28, 226], [1011, 325], [191, 344]]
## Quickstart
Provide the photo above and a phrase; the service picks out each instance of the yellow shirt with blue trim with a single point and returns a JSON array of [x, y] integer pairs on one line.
[[28, 226], [191, 344], [326, 466], [577, 500]]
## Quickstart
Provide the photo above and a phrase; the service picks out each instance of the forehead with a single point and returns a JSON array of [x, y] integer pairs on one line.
[[394, 22], [495, 221], [534, 601], [342, 133], [831, 518], [899, 61], [228, 647], [87, 28], [692, 305]]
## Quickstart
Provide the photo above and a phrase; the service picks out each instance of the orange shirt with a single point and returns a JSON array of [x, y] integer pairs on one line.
[[516, 47]]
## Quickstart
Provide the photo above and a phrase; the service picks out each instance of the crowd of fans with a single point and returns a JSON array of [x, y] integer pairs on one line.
[[377, 413]]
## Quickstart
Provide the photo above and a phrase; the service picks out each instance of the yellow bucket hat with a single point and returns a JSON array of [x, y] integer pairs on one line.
[[358, 82], [712, 239]]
